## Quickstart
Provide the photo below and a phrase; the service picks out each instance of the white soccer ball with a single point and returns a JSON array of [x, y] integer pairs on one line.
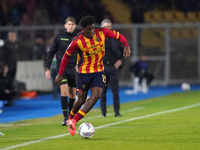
[[185, 86], [86, 130]]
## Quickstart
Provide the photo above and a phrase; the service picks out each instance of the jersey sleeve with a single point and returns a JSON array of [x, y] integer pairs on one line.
[[110, 33], [116, 35], [73, 46]]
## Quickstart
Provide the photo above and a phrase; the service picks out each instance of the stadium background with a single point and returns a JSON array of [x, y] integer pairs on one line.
[[170, 35]]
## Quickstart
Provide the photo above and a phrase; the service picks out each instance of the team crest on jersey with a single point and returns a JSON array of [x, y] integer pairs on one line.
[[83, 85], [97, 39]]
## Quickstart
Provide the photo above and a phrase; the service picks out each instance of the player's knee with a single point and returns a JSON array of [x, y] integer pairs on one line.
[[96, 96], [64, 93]]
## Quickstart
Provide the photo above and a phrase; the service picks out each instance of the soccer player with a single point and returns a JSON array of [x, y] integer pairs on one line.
[[68, 83], [91, 45]]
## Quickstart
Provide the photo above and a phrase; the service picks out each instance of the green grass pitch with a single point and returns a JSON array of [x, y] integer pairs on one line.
[[165, 123]]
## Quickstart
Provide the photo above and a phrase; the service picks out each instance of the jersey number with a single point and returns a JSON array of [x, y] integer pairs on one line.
[[104, 78]]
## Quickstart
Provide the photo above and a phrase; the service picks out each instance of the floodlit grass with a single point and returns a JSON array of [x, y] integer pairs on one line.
[[177, 130]]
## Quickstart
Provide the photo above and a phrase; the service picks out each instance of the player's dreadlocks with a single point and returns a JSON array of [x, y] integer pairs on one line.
[[87, 20]]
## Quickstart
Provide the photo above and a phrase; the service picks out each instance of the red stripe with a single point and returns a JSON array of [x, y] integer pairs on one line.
[[80, 69], [103, 52], [88, 64], [83, 42], [92, 41], [98, 36], [95, 64]]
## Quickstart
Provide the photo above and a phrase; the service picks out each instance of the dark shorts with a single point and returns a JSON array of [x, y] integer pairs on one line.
[[85, 81], [69, 77]]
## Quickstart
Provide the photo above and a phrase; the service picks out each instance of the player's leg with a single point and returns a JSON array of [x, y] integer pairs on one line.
[[72, 97], [114, 85], [83, 81], [96, 84], [95, 81], [82, 95], [64, 97], [72, 87], [85, 105], [95, 95], [76, 114]]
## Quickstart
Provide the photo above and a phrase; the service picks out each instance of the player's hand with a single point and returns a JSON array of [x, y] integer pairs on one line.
[[48, 74], [118, 63], [127, 52], [58, 79]]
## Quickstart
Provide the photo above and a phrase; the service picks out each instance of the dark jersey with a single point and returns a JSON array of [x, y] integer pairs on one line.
[[58, 47]]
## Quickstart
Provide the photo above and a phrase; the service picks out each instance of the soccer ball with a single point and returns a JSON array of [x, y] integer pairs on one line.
[[86, 130], [185, 86]]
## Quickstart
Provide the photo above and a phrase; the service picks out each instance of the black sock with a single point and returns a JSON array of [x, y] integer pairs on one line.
[[71, 103], [64, 105]]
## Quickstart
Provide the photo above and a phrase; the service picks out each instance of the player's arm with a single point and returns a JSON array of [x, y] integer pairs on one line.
[[70, 50], [49, 56], [121, 38]]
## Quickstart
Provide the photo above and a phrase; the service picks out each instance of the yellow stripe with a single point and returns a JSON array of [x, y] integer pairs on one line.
[[68, 53], [82, 49], [80, 45], [82, 113], [72, 113], [117, 35], [87, 42], [64, 80], [100, 54]]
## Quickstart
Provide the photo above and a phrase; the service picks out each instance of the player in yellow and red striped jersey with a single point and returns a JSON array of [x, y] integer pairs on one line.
[[90, 43]]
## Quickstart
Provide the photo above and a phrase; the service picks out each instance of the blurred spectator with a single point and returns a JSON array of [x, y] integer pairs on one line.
[[53, 9], [10, 53], [64, 11], [17, 10], [38, 50], [19, 5], [45, 12], [4, 12], [26, 20], [6, 85], [41, 15], [140, 69]]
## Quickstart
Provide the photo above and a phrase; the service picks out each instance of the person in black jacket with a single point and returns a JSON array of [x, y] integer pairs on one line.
[[9, 54], [112, 61], [6, 85], [68, 84]]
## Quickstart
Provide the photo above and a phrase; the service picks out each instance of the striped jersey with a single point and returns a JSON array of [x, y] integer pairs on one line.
[[92, 50]]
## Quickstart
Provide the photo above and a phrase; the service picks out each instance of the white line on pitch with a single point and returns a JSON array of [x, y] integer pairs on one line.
[[87, 118], [110, 114], [103, 126]]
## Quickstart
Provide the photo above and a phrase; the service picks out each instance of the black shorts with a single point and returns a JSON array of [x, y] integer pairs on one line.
[[69, 77], [85, 81]]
